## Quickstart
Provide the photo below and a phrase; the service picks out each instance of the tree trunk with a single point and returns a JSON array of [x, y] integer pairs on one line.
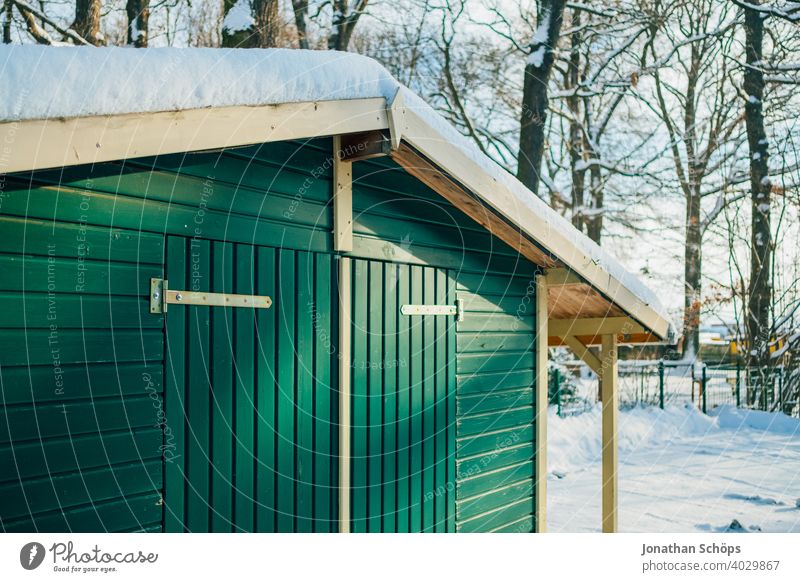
[[300, 8], [344, 23], [264, 30], [534, 92], [268, 24], [87, 21], [759, 291], [38, 33], [7, 22], [594, 222], [576, 142], [138, 16], [693, 263], [693, 245]]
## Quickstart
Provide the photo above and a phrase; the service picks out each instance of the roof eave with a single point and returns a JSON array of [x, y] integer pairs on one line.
[[49, 143], [462, 168]]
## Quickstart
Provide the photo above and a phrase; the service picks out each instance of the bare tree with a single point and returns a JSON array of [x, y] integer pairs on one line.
[[138, 12], [606, 45], [534, 92], [699, 116], [38, 32], [7, 16], [406, 44], [346, 15], [760, 292], [87, 21], [576, 144], [251, 23], [36, 23], [300, 10]]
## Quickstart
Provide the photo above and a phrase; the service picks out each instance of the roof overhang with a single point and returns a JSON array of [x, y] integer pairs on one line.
[[578, 287]]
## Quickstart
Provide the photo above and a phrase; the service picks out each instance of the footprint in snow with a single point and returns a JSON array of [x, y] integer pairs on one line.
[[756, 499], [734, 526], [737, 527]]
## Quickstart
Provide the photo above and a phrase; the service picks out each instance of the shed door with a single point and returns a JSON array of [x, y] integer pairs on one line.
[[403, 400], [250, 416]]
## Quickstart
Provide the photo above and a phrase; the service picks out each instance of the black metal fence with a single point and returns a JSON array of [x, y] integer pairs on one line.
[[660, 383]]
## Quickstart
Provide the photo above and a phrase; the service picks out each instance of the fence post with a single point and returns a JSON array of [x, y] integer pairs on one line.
[[738, 382], [703, 382], [661, 384]]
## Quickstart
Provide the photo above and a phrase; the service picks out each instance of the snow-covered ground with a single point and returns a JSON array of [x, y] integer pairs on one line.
[[680, 471]]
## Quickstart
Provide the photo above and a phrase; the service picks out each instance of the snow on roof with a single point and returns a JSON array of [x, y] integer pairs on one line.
[[38, 82]]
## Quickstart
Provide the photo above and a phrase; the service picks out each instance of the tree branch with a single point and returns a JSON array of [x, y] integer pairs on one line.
[[67, 32]]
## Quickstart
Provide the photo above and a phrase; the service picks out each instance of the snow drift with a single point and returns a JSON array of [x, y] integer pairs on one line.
[[574, 441], [730, 417]]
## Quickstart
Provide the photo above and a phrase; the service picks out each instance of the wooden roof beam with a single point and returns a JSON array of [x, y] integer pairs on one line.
[[364, 145], [560, 277], [595, 326]]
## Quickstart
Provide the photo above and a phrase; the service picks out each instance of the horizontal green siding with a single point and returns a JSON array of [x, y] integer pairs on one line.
[[495, 404], [397, 218], [82, 377]]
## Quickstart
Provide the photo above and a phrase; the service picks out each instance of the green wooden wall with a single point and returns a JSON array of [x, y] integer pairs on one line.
[[403, 440], [494, 353], [86, 427], [495, 404], [81, 373]]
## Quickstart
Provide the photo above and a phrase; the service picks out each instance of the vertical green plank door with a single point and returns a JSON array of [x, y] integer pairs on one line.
[[403, 384], [248, 392]]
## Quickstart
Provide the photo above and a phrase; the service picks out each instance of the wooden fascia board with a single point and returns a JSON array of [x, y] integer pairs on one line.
[[52, 143], [496, 195]]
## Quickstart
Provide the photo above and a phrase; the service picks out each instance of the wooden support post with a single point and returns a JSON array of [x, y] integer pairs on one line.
[[345, 326], [342, 199], [610, 412], [540, 418]]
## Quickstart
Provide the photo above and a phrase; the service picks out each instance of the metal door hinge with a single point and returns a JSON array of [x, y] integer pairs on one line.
[[457, 310], [161, 296]]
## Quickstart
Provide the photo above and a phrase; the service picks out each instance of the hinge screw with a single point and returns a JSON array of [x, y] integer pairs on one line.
[[178, 297]]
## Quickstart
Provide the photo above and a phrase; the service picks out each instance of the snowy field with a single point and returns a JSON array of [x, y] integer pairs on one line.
[[680, 471]]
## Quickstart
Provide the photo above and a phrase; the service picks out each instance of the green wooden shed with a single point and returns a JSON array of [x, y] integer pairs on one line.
[[273, 291]]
